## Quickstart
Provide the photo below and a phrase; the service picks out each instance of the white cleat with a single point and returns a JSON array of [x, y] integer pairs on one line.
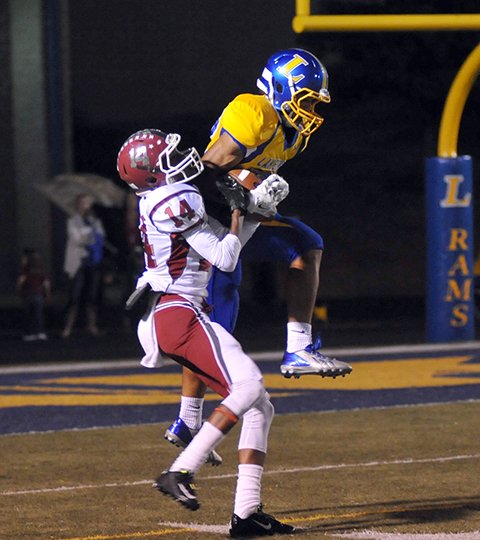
[[310, 361]]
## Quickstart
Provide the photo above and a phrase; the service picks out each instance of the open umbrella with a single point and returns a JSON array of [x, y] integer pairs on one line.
[[63, 190]]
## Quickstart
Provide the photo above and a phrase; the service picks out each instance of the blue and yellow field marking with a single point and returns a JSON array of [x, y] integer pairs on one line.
[[157, 387], [40, 401]]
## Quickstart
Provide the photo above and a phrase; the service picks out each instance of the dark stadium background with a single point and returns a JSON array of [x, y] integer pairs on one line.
[[175, 65]]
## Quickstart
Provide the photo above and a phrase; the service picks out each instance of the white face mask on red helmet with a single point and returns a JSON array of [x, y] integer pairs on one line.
[[149, 158]]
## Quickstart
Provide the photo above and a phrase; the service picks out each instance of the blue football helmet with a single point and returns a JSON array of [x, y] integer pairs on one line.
[[295, 81]]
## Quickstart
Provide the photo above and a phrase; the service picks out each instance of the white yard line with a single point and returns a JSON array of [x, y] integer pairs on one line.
[[333, 466], [377, 535]]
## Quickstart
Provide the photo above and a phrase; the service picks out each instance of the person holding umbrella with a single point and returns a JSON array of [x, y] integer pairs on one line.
[[83, 264]]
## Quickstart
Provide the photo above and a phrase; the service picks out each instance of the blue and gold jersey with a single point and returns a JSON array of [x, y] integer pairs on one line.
[[255, 126]]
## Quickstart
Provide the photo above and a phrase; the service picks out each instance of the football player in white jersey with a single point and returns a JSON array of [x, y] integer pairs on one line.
[[181, 244]]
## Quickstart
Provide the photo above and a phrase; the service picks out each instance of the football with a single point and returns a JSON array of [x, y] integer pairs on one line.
[[245, 178]]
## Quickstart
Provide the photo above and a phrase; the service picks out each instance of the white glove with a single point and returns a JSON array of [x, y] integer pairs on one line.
[[265, 198]]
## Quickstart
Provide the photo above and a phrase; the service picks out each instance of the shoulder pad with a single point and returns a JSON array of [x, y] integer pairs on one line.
[[178, 209], [251, 119]]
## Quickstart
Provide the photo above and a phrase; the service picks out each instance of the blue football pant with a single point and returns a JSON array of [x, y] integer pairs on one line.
[[281, 240]]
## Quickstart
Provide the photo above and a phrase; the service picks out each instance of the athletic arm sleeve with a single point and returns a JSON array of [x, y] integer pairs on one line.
[[222, 253], [249, 227]]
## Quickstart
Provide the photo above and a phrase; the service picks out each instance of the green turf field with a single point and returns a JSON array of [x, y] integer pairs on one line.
[[410, 470]]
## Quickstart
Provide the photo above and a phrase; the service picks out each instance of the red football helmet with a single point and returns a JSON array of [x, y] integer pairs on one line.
[[149, 158]]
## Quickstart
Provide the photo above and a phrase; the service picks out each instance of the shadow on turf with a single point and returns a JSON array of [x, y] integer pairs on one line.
[[389, 514]]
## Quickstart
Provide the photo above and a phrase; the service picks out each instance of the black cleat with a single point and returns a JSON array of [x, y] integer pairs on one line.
[[258, 524], [179, 485]]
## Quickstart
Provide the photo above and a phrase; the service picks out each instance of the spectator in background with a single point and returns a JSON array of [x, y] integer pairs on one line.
[[83, 264], [33, 285]]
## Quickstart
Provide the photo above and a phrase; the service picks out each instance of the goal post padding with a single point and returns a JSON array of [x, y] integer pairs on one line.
[[450, 249]]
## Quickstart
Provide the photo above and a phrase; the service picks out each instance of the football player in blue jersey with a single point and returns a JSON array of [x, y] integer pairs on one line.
[[260, 132]]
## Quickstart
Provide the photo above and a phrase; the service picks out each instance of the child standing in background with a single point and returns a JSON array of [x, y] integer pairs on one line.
[[33, 285]]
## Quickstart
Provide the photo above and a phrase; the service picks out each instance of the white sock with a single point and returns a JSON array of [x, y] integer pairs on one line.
[[195, 454], [299, 335], [191, 412], [247, 494]]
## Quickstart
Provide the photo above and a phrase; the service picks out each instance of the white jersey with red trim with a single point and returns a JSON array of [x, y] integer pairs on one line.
[[180, 244]]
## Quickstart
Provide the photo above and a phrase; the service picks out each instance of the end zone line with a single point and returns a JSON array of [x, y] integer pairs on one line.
[[146, 534], [404, 461], [265, 356]]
